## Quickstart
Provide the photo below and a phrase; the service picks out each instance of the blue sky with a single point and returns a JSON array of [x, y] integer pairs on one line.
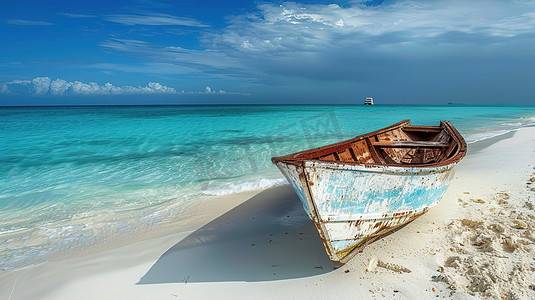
[[152, 52]]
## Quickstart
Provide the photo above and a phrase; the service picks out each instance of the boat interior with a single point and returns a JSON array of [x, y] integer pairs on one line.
[[399, 144]]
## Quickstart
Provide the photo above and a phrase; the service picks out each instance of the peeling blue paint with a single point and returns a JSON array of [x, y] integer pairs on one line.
[[341, 245], [339, 193], [355, 202]]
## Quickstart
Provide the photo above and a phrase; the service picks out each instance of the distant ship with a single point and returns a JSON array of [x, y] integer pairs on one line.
[[369, 101]]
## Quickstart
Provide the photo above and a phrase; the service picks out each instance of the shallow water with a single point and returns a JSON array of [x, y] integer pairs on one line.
[[69, 175]]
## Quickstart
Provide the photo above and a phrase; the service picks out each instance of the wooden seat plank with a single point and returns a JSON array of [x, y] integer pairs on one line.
[[422, 129], [410, 144]]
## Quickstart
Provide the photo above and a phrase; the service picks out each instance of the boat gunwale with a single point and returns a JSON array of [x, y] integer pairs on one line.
[[374, 168], [444, 125]]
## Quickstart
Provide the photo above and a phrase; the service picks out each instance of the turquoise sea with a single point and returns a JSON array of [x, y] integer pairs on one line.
[[75, 176]]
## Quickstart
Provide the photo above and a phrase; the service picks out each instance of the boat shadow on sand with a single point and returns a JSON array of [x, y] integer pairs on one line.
[[265, 238]]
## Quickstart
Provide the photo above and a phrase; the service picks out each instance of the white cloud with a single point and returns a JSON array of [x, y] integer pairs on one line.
[[311, 27], [40, 85], [191, 61], [71, 15], [24, 82], [4, 89], [62, 87], [154, 20], [146, 68], [12, 64], [300, 32], [124, 45], [158, 88], [512, 26], [29, 23], [59, 86], [44, 86], [209, 91]]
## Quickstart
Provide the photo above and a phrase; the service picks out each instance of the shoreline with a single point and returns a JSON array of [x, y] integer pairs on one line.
[[68, 197], [501, 164]]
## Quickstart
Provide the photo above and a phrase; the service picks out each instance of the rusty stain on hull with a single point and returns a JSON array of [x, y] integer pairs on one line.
[[359, 190]]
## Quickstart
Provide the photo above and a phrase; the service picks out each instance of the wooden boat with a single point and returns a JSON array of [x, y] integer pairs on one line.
[[361, 189]]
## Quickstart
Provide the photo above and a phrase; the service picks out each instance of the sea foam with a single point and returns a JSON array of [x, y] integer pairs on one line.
[[233, 188]]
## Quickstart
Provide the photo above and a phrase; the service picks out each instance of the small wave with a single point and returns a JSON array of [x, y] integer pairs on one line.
[[517, 124], [530, 120], [511, 126], [256, 184], [31, 247], [477, 137]]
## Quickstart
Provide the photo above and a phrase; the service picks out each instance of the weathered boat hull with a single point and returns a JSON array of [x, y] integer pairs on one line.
[[360, 189], [352, 205]]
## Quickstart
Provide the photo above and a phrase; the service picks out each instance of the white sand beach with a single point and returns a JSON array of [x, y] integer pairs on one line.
[[477, 243]]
